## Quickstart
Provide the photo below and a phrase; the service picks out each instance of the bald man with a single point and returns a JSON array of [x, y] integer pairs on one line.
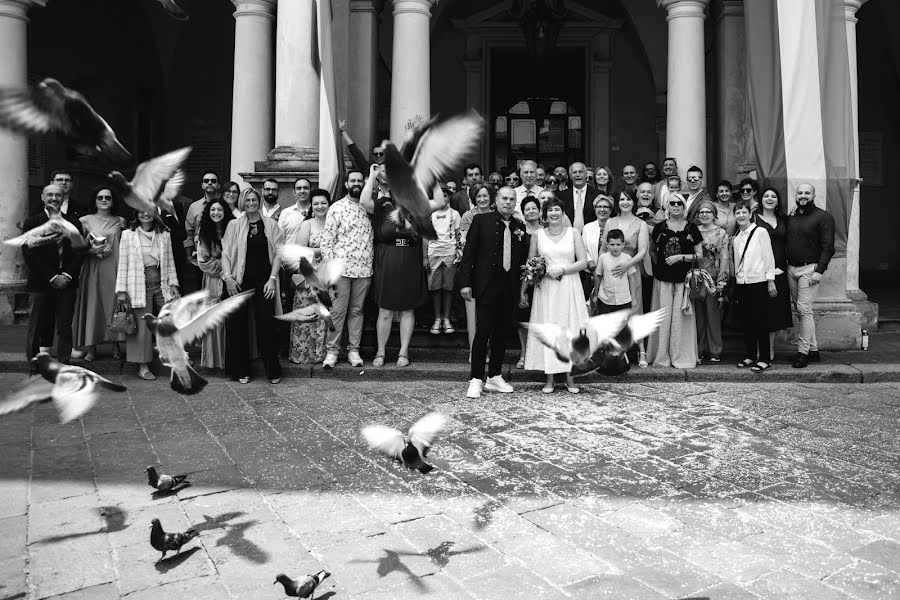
[[52, 280], [809, 248]]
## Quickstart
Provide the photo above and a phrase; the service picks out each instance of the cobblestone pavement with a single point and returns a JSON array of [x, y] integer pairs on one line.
[[633, 491]]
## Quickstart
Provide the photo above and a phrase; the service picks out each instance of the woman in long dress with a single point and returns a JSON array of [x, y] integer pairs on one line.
[[637, 246], [213, 221], [308, 339], [559, 299], [676, 243], [531, 210], [95, 302], [770, 215]]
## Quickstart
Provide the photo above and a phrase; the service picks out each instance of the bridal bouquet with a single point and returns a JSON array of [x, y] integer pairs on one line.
[[534, 270]]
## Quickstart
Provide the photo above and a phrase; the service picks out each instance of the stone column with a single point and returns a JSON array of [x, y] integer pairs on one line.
[[251, 116], [296, 79], [363, 67], [13, 154], [853, 291], [411, 68], [686, 82], [733, 114]]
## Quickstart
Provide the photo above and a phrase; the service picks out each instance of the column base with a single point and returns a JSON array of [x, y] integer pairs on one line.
[[285, 164], [839, 324], [13, 302], [868, 309]]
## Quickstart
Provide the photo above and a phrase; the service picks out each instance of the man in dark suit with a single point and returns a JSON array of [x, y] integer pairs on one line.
[[52, 279], [461, 200], [578, 198], [496, 248]]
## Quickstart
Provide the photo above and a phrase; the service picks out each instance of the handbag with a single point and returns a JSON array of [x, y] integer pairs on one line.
[[122, 321], [696, 284]]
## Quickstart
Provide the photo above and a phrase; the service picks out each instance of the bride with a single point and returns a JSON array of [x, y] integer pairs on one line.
[[559, 298]]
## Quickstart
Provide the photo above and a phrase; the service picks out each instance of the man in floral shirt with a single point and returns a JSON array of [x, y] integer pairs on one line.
[[348, 235]]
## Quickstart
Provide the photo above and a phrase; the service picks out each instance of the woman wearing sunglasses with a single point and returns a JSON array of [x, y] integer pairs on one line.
[[749, 190], [676, 244]]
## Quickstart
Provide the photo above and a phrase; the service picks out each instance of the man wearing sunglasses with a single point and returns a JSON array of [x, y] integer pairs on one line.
[[696, 193], [210, 186]]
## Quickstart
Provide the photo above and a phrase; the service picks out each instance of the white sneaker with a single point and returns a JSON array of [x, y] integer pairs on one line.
[[354, 358], [496, 384], [77, 353], [330, 360], [44, 349], [475, 387]]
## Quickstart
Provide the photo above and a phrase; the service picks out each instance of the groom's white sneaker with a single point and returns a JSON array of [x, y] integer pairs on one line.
[[496, 384], [475, 386]]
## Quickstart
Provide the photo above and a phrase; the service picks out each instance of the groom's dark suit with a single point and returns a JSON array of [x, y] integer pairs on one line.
[[496, 291]]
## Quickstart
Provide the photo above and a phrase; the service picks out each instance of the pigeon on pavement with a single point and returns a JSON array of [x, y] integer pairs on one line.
[[72, 389], [48, 233], [305, 588], [433, 151], [412, 449], [50, 107], [165, 542], [156, 182], [182, 321], [173, 9], [163, 482]]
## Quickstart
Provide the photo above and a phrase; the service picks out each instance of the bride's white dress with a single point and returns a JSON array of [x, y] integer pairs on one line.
[[555, 301]]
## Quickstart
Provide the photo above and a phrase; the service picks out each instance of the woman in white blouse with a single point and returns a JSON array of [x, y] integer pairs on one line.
[[755, 277]]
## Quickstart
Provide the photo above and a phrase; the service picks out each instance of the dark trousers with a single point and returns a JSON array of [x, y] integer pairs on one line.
[[49, 308], [647, 287], [237, 335], [753, 298], [493, 317]]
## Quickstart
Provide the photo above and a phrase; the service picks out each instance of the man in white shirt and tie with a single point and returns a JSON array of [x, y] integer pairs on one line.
[[578, 198], [529, 187]]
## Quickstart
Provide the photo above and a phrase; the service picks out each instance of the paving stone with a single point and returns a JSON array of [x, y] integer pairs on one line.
[[885, 553], [138, 570], [612, 587], [790, 585], [726, 591], [105, 591], [70, 564], [866, 580], [513, 583], [58, 520], [554, 559], [201, 588], [436, 587], [12, 577]]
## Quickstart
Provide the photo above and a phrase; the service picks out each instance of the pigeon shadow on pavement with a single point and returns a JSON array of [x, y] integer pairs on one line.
[[234, 538], [440, 554], [484, 514], [391, 562], [170, 562], [157, 495], [113, 518]]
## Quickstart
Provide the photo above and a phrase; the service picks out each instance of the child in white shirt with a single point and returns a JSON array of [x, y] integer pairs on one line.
[[441, 257], [613, 293]]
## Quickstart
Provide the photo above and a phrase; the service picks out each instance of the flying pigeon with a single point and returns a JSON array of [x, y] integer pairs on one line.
[[50, 107], [182, 321], [155, 184], [321, 278], [72, 389], [163, 482], [301, 588], [431, 153], [48, 233], [411, 449], [164, 542], [578, 346], [308, 314], [611, 357], [173, 9]]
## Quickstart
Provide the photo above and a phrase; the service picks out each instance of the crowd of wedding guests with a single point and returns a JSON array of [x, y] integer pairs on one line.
[[640, 241]]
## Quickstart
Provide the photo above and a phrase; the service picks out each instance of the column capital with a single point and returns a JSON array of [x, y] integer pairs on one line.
[[258, 8], [18, 9], [730, 8], [684, 8], [357, 6], [850, 8], [422, 7]]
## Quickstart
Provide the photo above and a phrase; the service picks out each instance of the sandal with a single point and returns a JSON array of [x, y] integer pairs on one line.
[[520, 364], [642, 360], [89, 357], [547, 389], [244, 380], [747, 362], [760, 367], [402, 361], [378, 361], [572, 389]]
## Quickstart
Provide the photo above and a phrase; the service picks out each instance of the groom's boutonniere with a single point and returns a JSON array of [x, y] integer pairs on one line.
[[519, 234]]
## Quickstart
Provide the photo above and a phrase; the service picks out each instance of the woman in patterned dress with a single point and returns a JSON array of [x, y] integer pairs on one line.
[[308, 339]]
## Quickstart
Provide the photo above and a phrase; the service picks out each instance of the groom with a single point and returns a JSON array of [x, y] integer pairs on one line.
[[496, 248]]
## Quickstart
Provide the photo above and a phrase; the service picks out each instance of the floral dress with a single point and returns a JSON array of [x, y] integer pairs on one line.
[[308, 339]]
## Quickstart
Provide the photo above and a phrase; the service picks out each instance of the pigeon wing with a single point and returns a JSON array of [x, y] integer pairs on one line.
[[212, 317], [185, 308], [152, 175], [554, 337], [408, 149], [44, 230], [424, 431], [604, 328], [174, 10], [34, 389], [172, 189], [330, 271], [643, 325], [32, 110], [444, 147], [74, 394], [292, 253], [406, 191], [386, 440]]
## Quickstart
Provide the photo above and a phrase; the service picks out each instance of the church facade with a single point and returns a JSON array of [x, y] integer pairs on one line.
[[609, 82]]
